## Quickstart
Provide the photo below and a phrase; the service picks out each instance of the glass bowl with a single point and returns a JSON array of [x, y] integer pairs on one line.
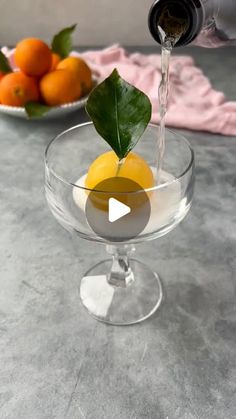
[[120, 290]]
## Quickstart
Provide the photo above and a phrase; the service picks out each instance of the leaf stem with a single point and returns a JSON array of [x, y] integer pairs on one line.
[[120, 164]]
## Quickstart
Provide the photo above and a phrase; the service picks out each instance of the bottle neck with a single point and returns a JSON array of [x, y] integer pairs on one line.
[[179, 20]]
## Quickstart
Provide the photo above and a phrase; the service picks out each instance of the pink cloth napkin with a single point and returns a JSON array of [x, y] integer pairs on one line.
[[193, 103]]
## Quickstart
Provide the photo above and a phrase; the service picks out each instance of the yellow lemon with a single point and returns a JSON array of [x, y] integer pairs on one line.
[[106, 166]]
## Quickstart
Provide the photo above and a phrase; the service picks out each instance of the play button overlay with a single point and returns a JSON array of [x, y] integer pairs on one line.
[[118, 209]]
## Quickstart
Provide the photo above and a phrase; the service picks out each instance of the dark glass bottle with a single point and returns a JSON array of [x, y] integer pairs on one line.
[[208, 23]]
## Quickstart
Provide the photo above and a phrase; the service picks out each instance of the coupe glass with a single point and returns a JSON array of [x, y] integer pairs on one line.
[[120, 290]]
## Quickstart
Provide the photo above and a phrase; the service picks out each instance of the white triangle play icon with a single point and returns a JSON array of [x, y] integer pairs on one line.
[[117, 210]]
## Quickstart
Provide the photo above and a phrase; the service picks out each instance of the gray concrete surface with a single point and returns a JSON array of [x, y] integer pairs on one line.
[[56, 362]]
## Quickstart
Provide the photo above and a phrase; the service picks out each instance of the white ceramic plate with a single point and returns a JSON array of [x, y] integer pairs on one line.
[[55, 112]]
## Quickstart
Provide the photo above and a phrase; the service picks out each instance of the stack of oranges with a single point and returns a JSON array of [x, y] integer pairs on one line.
[[44, 77]]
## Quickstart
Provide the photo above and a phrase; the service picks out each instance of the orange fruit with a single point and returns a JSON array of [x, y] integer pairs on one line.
[[33, 57], [81, 70], [134, 168], [16, 89], [2, 75], [55, 61], [58, 87]]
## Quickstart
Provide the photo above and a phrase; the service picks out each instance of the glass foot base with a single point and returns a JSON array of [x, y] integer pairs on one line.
[[121, 305]]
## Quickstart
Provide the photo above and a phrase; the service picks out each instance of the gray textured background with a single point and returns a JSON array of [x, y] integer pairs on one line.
[[56, 362], [100, 22]]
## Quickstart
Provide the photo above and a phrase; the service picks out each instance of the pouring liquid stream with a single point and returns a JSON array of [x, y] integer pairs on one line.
[[170, 32], [163, 100]]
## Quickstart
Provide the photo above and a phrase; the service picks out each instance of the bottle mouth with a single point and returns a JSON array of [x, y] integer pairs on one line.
[[179, 20]]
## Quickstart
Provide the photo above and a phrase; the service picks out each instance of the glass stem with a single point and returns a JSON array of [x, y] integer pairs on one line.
[[121, 274]]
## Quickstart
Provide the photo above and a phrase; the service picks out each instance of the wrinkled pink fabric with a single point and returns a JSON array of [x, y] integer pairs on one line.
[[193, 103]]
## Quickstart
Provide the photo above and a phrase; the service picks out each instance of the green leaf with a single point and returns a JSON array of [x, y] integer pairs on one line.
[[62, 42], [4, 64], [120, 113], [36, 110]]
